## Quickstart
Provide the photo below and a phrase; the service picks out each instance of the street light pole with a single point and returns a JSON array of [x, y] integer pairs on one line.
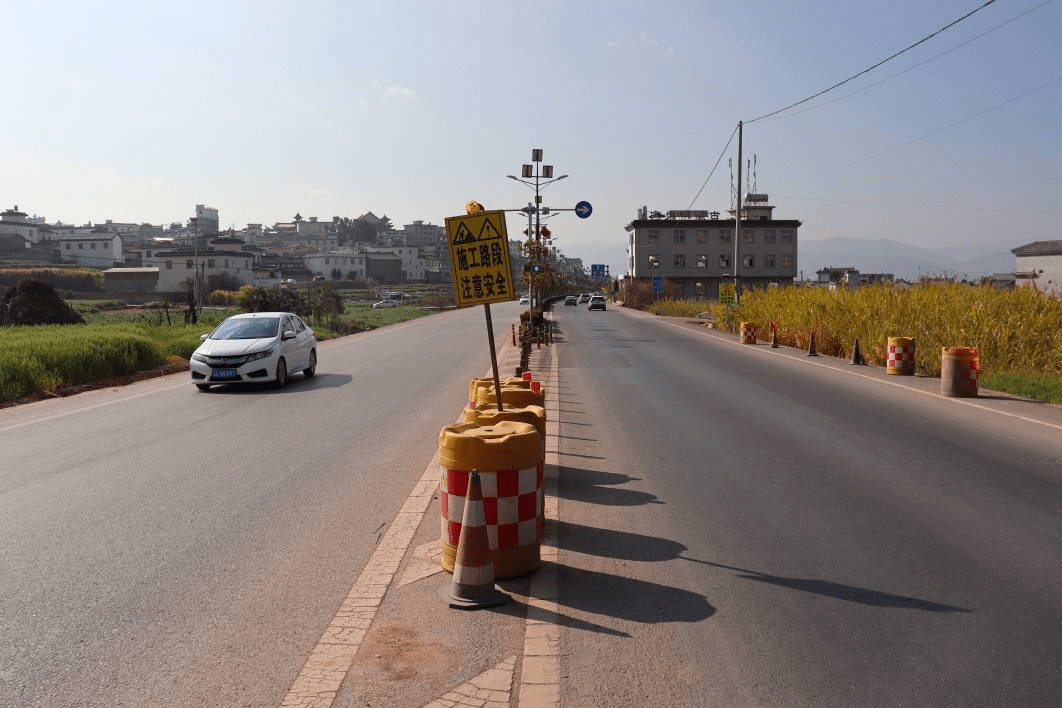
[[538, 172]]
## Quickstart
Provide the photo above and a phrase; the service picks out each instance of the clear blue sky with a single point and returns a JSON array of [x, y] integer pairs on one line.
[[136, 111]]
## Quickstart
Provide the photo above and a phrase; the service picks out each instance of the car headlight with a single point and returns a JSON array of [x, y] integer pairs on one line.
[[199, 357], [260, 355]]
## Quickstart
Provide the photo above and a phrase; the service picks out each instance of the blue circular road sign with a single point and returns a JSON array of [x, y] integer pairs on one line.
[[583, 209]]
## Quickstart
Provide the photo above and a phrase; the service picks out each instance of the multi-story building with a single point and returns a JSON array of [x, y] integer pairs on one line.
[[695, 251], [206, 219]]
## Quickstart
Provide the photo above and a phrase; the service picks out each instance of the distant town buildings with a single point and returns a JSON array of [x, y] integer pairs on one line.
[[171, 257]]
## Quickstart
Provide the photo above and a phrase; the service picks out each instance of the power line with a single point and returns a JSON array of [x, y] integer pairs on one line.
[[713, 168], [954, 123], [922, 63], [875, 66]]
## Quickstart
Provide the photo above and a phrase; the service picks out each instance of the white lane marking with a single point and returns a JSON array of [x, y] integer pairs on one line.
[[885, 382], [64, 414]]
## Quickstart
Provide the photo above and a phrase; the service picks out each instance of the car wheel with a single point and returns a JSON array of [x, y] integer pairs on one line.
[[282, 373], [203, 387], [311, 368]]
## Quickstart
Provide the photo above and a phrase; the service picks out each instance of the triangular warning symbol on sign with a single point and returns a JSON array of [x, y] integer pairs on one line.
[[488, 232], [463, 235]]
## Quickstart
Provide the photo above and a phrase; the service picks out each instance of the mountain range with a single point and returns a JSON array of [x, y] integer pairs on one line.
[[968, 261]]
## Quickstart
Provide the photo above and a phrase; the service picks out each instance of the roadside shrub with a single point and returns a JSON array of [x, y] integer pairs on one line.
[[273, 300]]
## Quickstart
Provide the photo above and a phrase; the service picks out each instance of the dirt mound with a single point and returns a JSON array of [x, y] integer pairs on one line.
[[32, 302]]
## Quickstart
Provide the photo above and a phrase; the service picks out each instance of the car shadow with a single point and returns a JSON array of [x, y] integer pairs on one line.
[[296, 383]]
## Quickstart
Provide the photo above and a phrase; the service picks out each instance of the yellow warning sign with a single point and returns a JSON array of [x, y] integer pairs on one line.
[[479, 258], [727, 293]]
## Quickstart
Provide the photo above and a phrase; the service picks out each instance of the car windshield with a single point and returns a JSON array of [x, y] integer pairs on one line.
[[250, 328]]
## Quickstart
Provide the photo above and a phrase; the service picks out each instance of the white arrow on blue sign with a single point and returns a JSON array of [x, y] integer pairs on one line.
[[583, 209]]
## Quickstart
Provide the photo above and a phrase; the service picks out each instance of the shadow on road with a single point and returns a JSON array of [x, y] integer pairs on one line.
[[621, 545], [595, 487], [839, 591], [627, 598]]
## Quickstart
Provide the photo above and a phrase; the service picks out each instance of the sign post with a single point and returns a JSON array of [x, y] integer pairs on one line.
[[479, 261]]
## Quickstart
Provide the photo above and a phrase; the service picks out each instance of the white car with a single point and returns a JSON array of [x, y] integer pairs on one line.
[[384, 303], [255, 347]]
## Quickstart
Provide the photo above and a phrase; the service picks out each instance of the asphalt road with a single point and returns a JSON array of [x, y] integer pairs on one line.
[[743, 528], [164, 546]]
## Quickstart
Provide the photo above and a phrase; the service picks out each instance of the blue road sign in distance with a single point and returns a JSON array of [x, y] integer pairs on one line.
[[658, 284], [597, 270], [583, 209]]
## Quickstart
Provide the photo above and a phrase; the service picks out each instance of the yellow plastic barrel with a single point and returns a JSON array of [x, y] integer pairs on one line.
[[489, 416], [748, 334], [901, 356], [507, 455], [959, 370], [473, 389], [516, 396]]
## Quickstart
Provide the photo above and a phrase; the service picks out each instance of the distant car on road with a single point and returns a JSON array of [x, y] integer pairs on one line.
[[255, 347], [384, 304], [584, 297], [525, 300], [570, 300], [597, 302]]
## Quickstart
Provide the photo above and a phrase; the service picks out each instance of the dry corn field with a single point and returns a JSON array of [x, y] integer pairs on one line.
[[1014, 330]]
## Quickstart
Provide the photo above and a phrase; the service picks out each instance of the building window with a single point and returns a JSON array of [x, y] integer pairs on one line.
[[724, 261], [68, 246], [680, 260], [787, 235], [93, 245], [769, 261], [654, 260], [702, 262], [700, 289], [702, 235], [169, 265], [748, 235], [654, 236], [210, 262], [188, 264], [748, 262], [724, 236], [81, 247], [326, 261], [680, 235], [769, 236], [787, 261]]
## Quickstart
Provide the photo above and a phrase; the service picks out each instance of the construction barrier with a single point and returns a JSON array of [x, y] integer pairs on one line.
[[748, 334], [959, 370], [532, 415], [511, 395], [508, 457], [901, 356]]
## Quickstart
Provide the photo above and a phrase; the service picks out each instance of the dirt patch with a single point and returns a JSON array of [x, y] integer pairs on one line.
[[401, 654]]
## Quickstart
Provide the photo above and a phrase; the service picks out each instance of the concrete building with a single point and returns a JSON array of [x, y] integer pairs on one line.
[[206, 219], [13, 221], [694, 251], [346, 262], [1039, 265], [217, 268], [98, 249]]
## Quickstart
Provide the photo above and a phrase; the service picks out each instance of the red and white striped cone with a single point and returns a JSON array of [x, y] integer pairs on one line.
[[473, 582]]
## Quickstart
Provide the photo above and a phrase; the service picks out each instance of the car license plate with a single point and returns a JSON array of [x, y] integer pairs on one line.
[[223, 374]]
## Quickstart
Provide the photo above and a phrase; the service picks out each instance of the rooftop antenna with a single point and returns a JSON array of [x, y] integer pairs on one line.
[[732, 195], [755, 190], [748, 172]]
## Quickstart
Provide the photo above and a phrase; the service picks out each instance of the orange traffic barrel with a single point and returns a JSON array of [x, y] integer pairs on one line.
[[507, 455], [959, 371], [901, 356], [748, 333]]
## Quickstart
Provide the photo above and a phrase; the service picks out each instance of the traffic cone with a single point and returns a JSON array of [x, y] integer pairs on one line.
[[473, 582], [811, 346], [857, 356], [774, 336]]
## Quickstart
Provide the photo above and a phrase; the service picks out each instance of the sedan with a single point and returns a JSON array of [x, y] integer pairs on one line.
[[570, 300], [384, 303], [255, 347], [597, 302]]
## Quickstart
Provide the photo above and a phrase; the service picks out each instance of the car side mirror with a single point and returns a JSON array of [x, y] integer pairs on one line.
[[203, 337], [288, 334]]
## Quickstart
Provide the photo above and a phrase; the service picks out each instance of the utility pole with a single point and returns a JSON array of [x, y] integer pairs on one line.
[[737, 225]]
